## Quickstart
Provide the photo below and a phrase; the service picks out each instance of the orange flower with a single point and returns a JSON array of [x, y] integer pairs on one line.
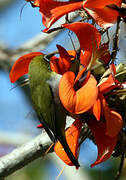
[[108, 123], [114, 121], [59, 65], [105, 143], [109, 84], [101, 13], [88, 36], [96, 109], [20, 66], [89, 39], [53, 10], [72, 137], [76, 93], [63, 63], [101, 53]]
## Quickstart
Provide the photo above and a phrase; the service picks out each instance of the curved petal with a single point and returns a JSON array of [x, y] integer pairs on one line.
[[104, 17], [52, 10], [63, 63], [20, 67], [77, 101], [114, 121], [114, 127], [63, 52], [108, 85], [67, 93], [97, 109], [54, 65], [105, 144], [113, 71], [72, 138], [72, 54], [65, 57], [101, 3], [85, 98], [88, 36], [85, 57]]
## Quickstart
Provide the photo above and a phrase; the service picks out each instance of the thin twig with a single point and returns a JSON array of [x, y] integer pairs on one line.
[[60, 173]]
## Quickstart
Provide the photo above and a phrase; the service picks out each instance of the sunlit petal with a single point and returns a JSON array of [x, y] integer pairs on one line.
[[108, 85], [53, 10], [105, 144], [63, 63], [113, 119], [20, 67], [85, 57], [88, 36], [72, 137], [104, 17], [78, 101], [101, 3], [97, 109]]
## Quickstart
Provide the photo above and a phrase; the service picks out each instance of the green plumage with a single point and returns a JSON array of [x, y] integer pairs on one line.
[[44, 92]]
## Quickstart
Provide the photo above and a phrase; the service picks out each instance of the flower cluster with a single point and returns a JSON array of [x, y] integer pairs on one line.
[[84, 95]]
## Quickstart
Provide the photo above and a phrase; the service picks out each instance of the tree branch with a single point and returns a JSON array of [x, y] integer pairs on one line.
[[23, 155]]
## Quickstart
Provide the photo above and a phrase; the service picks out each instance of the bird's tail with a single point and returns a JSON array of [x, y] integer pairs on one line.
[[69, 152], [48, 130]]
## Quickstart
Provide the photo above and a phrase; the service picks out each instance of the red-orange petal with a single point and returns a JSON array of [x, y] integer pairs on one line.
[[84, 96], [108, 85], [53, 10], [105, 144], [113, 69], [77, 101], [20, 67], [97, 109], [65, 58], [63, 63], [66, 92], [72, 54], [54, 64], [100, 4], [104, 17], [85, 57], [114, 121], [88, 36], [72, 137]]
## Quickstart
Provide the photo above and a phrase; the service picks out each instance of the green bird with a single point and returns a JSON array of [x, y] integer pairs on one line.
[[44, 91]]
